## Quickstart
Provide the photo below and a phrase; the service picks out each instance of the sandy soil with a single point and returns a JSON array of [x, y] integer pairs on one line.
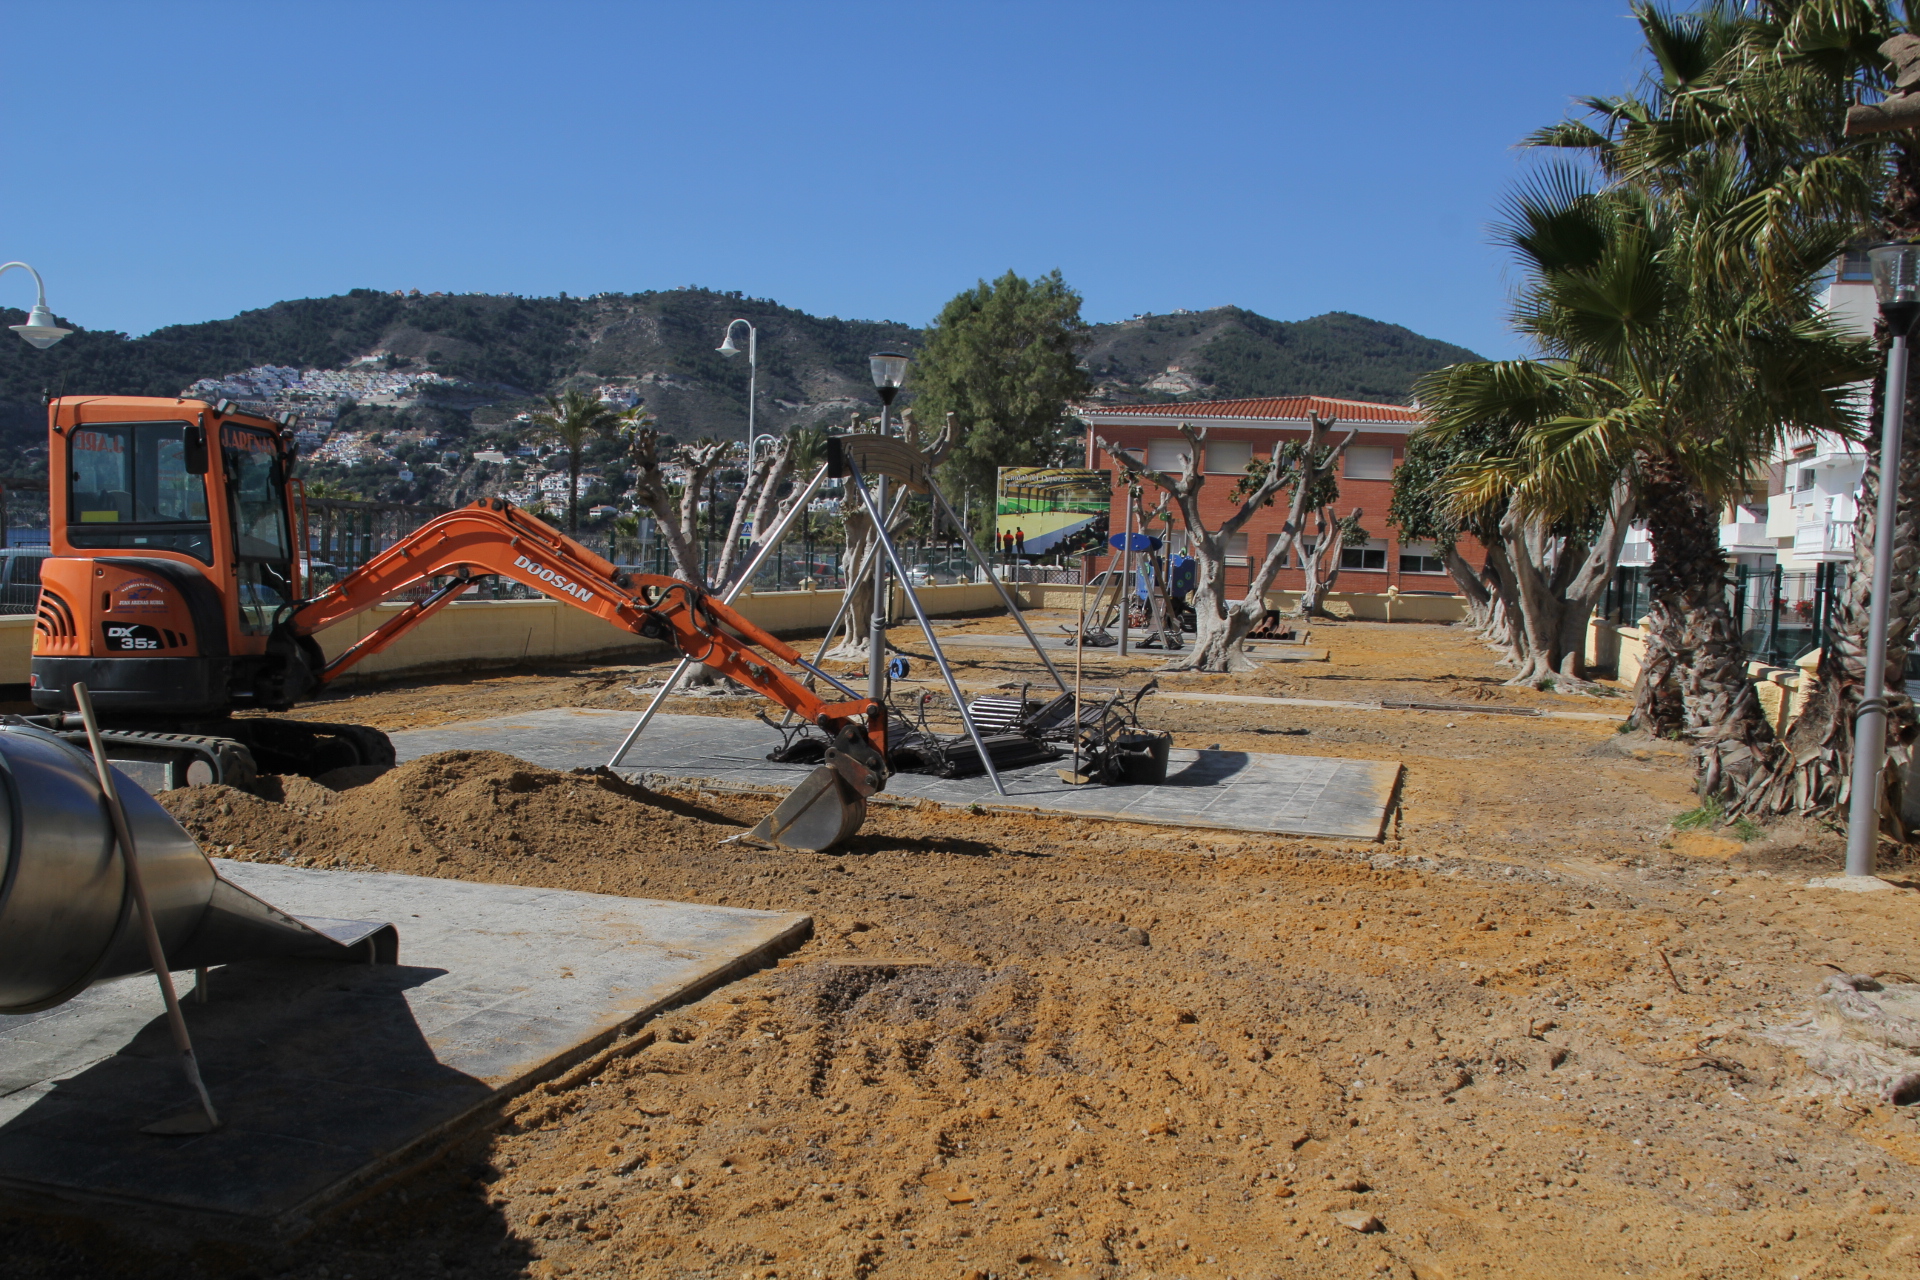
[[1522, 1038]]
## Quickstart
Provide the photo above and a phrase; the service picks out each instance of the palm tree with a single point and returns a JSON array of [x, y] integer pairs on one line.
[[1653, 367], [572, 419], [1771, 89]]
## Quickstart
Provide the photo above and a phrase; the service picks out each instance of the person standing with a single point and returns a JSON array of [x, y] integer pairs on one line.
[[1020, 542]]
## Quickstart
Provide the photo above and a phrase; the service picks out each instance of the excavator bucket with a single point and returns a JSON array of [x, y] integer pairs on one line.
[[831, 803], [816, 815]]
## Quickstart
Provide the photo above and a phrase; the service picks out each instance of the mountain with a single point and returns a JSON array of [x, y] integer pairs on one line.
[[467, 364], [1230, 352]]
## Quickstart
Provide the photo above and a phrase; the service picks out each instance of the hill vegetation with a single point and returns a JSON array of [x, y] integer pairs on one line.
[[508, 353]]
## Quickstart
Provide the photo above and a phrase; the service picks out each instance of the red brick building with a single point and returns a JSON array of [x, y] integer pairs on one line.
[[1241, 429]]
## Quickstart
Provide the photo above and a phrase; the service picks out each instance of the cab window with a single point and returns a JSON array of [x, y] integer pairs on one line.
[[257, 496], [129, 487]]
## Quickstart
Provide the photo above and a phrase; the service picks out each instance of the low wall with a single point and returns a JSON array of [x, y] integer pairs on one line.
[[1365, 606], [1612, 646], [1615, 647]]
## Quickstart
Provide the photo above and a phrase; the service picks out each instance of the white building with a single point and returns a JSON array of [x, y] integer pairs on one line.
[[1813, 486]]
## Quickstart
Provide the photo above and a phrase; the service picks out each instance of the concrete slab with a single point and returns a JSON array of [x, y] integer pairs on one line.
[[1263, 650], [328, 1076], [1229, 790]]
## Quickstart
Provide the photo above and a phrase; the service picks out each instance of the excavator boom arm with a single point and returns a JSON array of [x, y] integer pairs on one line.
[[495, 537]]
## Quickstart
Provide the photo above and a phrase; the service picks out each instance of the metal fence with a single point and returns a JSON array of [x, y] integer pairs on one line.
[[1782, 615]]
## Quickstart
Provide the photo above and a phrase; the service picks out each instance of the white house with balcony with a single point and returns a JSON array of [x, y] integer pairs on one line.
[[1813, 485]]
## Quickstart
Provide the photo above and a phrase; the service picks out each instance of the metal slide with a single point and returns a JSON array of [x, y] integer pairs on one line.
[[67, 914]]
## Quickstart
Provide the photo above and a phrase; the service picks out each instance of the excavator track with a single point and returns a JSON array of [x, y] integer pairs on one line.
[[187, 759], [255, 748]]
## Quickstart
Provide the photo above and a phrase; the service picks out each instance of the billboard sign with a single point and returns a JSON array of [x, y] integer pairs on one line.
[[1052, 510]]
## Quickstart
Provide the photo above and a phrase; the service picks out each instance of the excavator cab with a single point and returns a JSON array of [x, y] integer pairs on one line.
[[173, 562]]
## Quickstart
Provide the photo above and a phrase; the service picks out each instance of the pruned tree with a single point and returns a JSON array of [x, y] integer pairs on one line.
[[1304, 467], [1320, 558], [674, 502]]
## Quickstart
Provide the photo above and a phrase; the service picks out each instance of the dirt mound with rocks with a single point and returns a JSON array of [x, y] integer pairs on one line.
[[474, 814]]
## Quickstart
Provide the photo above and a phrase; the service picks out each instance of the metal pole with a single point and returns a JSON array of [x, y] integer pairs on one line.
[[1870, 721], [1773, 620], [877, 631], [738, 585], [753, 383], [1126, 564], [136, 885], [1013, 607], [926, 627]]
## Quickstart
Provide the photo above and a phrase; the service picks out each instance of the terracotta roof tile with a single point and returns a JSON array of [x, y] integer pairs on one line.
[[1288, 408]]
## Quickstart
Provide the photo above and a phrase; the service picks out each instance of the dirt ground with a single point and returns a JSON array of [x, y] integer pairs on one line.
[[1523, 1036]]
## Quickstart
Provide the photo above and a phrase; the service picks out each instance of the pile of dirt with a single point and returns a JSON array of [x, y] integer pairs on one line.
[[471, 814]]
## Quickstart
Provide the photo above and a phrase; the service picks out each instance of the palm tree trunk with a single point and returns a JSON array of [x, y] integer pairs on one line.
[[1695, 682], [573, 491]]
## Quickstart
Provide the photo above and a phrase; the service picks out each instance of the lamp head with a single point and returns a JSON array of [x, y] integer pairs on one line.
[[727, 348], [1896, 283], [40, 330], [889, 371]]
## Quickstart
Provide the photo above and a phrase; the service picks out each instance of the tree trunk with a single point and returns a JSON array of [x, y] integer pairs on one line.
[[1217, 628], [1324, 554], [1557, 581], [1695, 683], [573, 492], [1472, 589]]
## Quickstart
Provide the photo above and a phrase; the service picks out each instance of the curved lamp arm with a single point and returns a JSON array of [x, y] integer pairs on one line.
[[40, 329]]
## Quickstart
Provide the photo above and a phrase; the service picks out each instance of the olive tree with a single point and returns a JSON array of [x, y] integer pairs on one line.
[[1304, 467]]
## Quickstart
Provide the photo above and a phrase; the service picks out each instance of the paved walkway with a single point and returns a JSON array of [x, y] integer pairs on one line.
[[326, 1073], [1230, 790]]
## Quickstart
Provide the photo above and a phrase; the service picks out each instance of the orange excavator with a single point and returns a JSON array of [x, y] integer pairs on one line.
[[176, 593]]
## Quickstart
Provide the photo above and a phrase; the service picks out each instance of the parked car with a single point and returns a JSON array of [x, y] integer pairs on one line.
[[20, 578]]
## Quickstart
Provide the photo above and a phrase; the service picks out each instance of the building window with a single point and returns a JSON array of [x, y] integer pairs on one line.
[[1228, 457], [1369, 463], [1236, 548], [1855, 266], [1166, 455], [1370, 555], [1420, 557]]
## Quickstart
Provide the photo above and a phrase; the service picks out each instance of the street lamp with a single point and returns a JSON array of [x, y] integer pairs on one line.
[[889, 371], [1896, 282], [39, 330], [726, 348]]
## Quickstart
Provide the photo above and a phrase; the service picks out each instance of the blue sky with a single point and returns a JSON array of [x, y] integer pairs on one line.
[[180, 162]]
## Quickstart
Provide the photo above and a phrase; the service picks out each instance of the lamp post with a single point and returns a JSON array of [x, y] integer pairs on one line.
[[1896, 282], [727, 349], [889, 371], [40, 331]]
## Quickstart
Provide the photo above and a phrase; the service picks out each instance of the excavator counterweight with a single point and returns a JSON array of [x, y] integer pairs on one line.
[[175, 592]]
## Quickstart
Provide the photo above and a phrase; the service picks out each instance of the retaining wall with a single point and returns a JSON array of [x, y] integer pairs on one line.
[[1365, 606]]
